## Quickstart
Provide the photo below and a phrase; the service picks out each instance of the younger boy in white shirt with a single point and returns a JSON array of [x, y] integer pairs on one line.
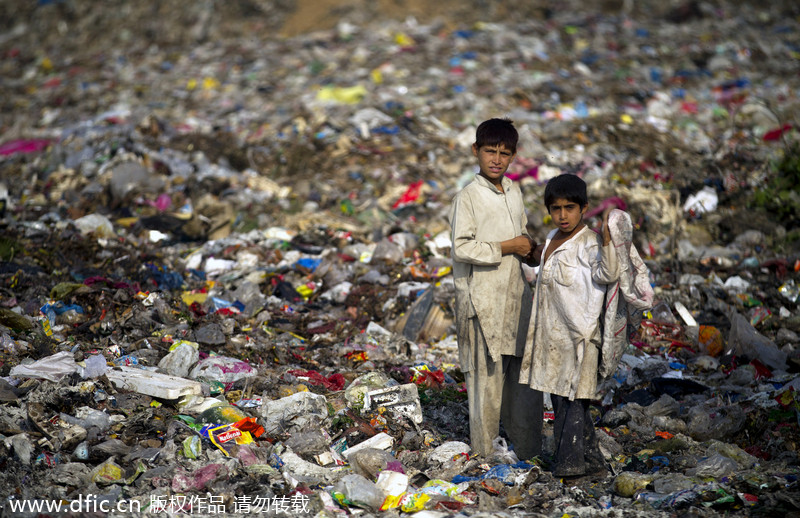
[[565, 334]]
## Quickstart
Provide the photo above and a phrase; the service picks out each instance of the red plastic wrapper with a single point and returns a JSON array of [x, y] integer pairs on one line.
[[249, 424], [410, 196], [333, 382], [777, 133]]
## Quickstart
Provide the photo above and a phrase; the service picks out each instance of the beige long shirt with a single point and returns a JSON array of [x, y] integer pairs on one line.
[[489, 285], [564, 336]]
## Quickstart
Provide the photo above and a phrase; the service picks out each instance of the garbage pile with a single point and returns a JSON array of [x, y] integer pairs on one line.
[[225, 275]]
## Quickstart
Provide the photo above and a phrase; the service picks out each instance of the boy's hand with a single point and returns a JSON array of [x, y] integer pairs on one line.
[[535, 257], [520, 245], [606, 232]]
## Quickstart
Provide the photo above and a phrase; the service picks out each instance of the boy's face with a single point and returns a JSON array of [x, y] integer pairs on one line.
[[567, 215], [493, 161]]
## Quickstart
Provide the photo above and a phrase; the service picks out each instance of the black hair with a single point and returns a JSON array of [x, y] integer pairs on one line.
[[493, 132], [565, 186]]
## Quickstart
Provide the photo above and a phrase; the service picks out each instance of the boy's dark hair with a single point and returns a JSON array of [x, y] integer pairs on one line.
[[566, 186], [493, 132]]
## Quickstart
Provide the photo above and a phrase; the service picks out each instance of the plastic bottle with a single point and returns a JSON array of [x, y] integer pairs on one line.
[[81, 451], [87, 418], [222, 414], [360, 491], [790, 290]]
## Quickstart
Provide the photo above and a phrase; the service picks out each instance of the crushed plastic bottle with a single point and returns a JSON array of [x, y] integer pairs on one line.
[[790, 290]]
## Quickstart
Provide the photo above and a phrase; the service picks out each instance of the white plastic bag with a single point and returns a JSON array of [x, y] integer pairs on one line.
[[501, 453]]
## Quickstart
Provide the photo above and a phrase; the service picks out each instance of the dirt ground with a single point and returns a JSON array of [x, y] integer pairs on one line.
[[168, 22]]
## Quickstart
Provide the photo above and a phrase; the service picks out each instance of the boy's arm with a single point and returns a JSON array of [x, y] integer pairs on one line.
[[606, 233], [606, 270], [467, 249], [520, 245], [530, 258]]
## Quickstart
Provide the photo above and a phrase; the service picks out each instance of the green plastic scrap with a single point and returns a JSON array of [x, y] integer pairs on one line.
[[192, 447], [140, 468], [63, 290]]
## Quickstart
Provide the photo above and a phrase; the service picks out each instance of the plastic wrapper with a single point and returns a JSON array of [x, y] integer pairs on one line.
[[222, 369], [744, 340], [22, 447], [225, 436], [715, 422], [96, 224], [192, 447], [501, 453], [222, 414], [710, 339], [250, 424], [180, 359], [107, 473], [95, 366], [199, 479], [52, 368], [294, 413], [413, 502], [370, 462], [716, 466], [629, 483], [359, 491]]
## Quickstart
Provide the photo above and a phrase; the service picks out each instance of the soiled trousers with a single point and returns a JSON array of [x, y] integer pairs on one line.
[[576, 447], [495, 393]]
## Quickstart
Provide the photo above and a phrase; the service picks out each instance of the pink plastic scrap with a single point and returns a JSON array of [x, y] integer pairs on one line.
[[613, 201], [23, 146], [523, 167]]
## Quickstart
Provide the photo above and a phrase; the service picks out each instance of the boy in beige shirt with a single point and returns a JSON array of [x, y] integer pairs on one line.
[[493, 298]]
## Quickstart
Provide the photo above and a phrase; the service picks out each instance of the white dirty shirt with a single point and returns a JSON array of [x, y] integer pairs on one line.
[[489, 285], [564, 336]]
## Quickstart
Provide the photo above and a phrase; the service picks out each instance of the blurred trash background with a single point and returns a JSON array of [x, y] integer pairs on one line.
[[224, 261]]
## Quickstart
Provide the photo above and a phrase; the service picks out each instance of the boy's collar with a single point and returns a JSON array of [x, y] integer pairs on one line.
[[505, 181], [568, 242]]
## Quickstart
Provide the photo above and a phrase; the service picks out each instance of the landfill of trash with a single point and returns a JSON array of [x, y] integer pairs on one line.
[[225, 274]]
